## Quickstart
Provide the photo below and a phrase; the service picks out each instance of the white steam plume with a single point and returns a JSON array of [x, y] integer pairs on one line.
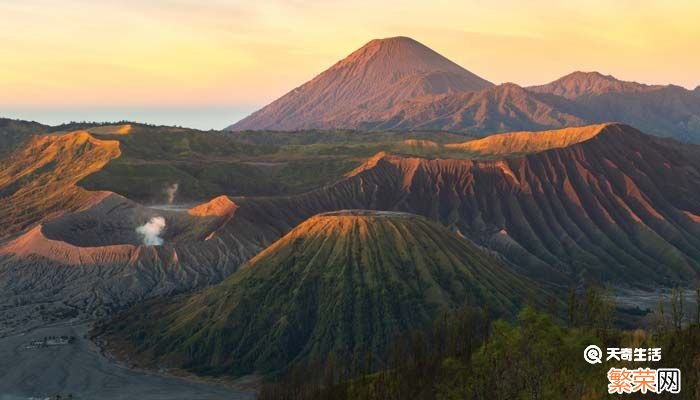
[[171, 191], [151, 230]]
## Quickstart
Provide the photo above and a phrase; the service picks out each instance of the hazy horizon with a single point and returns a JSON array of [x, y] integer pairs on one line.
[[215, 117]]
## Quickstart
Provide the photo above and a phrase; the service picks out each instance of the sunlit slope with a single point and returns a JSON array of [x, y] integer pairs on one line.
[[339, 282], [514, 143], [39, 180]]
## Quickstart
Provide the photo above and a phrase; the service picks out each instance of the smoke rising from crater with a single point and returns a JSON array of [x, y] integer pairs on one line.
[[151, 231], [171, 191]]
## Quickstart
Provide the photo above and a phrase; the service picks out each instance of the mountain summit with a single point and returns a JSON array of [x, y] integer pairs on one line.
[[582, 84], [380, 74]]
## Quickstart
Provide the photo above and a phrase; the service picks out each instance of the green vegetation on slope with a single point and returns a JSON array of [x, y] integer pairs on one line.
[[339, 283], [465, 357], [208, 164]]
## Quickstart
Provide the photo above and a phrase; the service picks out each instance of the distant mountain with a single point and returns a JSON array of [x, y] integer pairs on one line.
[[382, 73], [662, 110], [499, 108], [400, 84], [344, 283], [586, 84], [669, 111]]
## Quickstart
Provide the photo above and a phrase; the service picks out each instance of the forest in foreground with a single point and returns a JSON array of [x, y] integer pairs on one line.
[[537, 356]]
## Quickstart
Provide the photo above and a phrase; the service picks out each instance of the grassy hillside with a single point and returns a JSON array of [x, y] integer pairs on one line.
[[338, 283], [207, 164]]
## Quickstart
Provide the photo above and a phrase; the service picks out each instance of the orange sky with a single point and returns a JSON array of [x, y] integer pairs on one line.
[[71, 54]]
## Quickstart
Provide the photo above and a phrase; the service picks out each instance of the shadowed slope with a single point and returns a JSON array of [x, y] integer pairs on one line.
[[15, 132], [662, 110], [621, 206], [500, 108], [341, 282], [669, 111]]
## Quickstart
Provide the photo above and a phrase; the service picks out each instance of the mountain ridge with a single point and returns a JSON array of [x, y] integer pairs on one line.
[[504, 107], [580, 84], [617, 201]]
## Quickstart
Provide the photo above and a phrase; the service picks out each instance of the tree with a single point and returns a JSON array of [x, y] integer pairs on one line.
[[677, 313], [697, 306], [572, 307]]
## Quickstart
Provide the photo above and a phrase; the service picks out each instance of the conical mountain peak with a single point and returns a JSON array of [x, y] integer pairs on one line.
[[400, 55], [363, 276], [372, 79]]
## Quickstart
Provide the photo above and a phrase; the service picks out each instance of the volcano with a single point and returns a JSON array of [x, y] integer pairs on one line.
[[379, 75], [345, 281], [586, 84], [399, 84]]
